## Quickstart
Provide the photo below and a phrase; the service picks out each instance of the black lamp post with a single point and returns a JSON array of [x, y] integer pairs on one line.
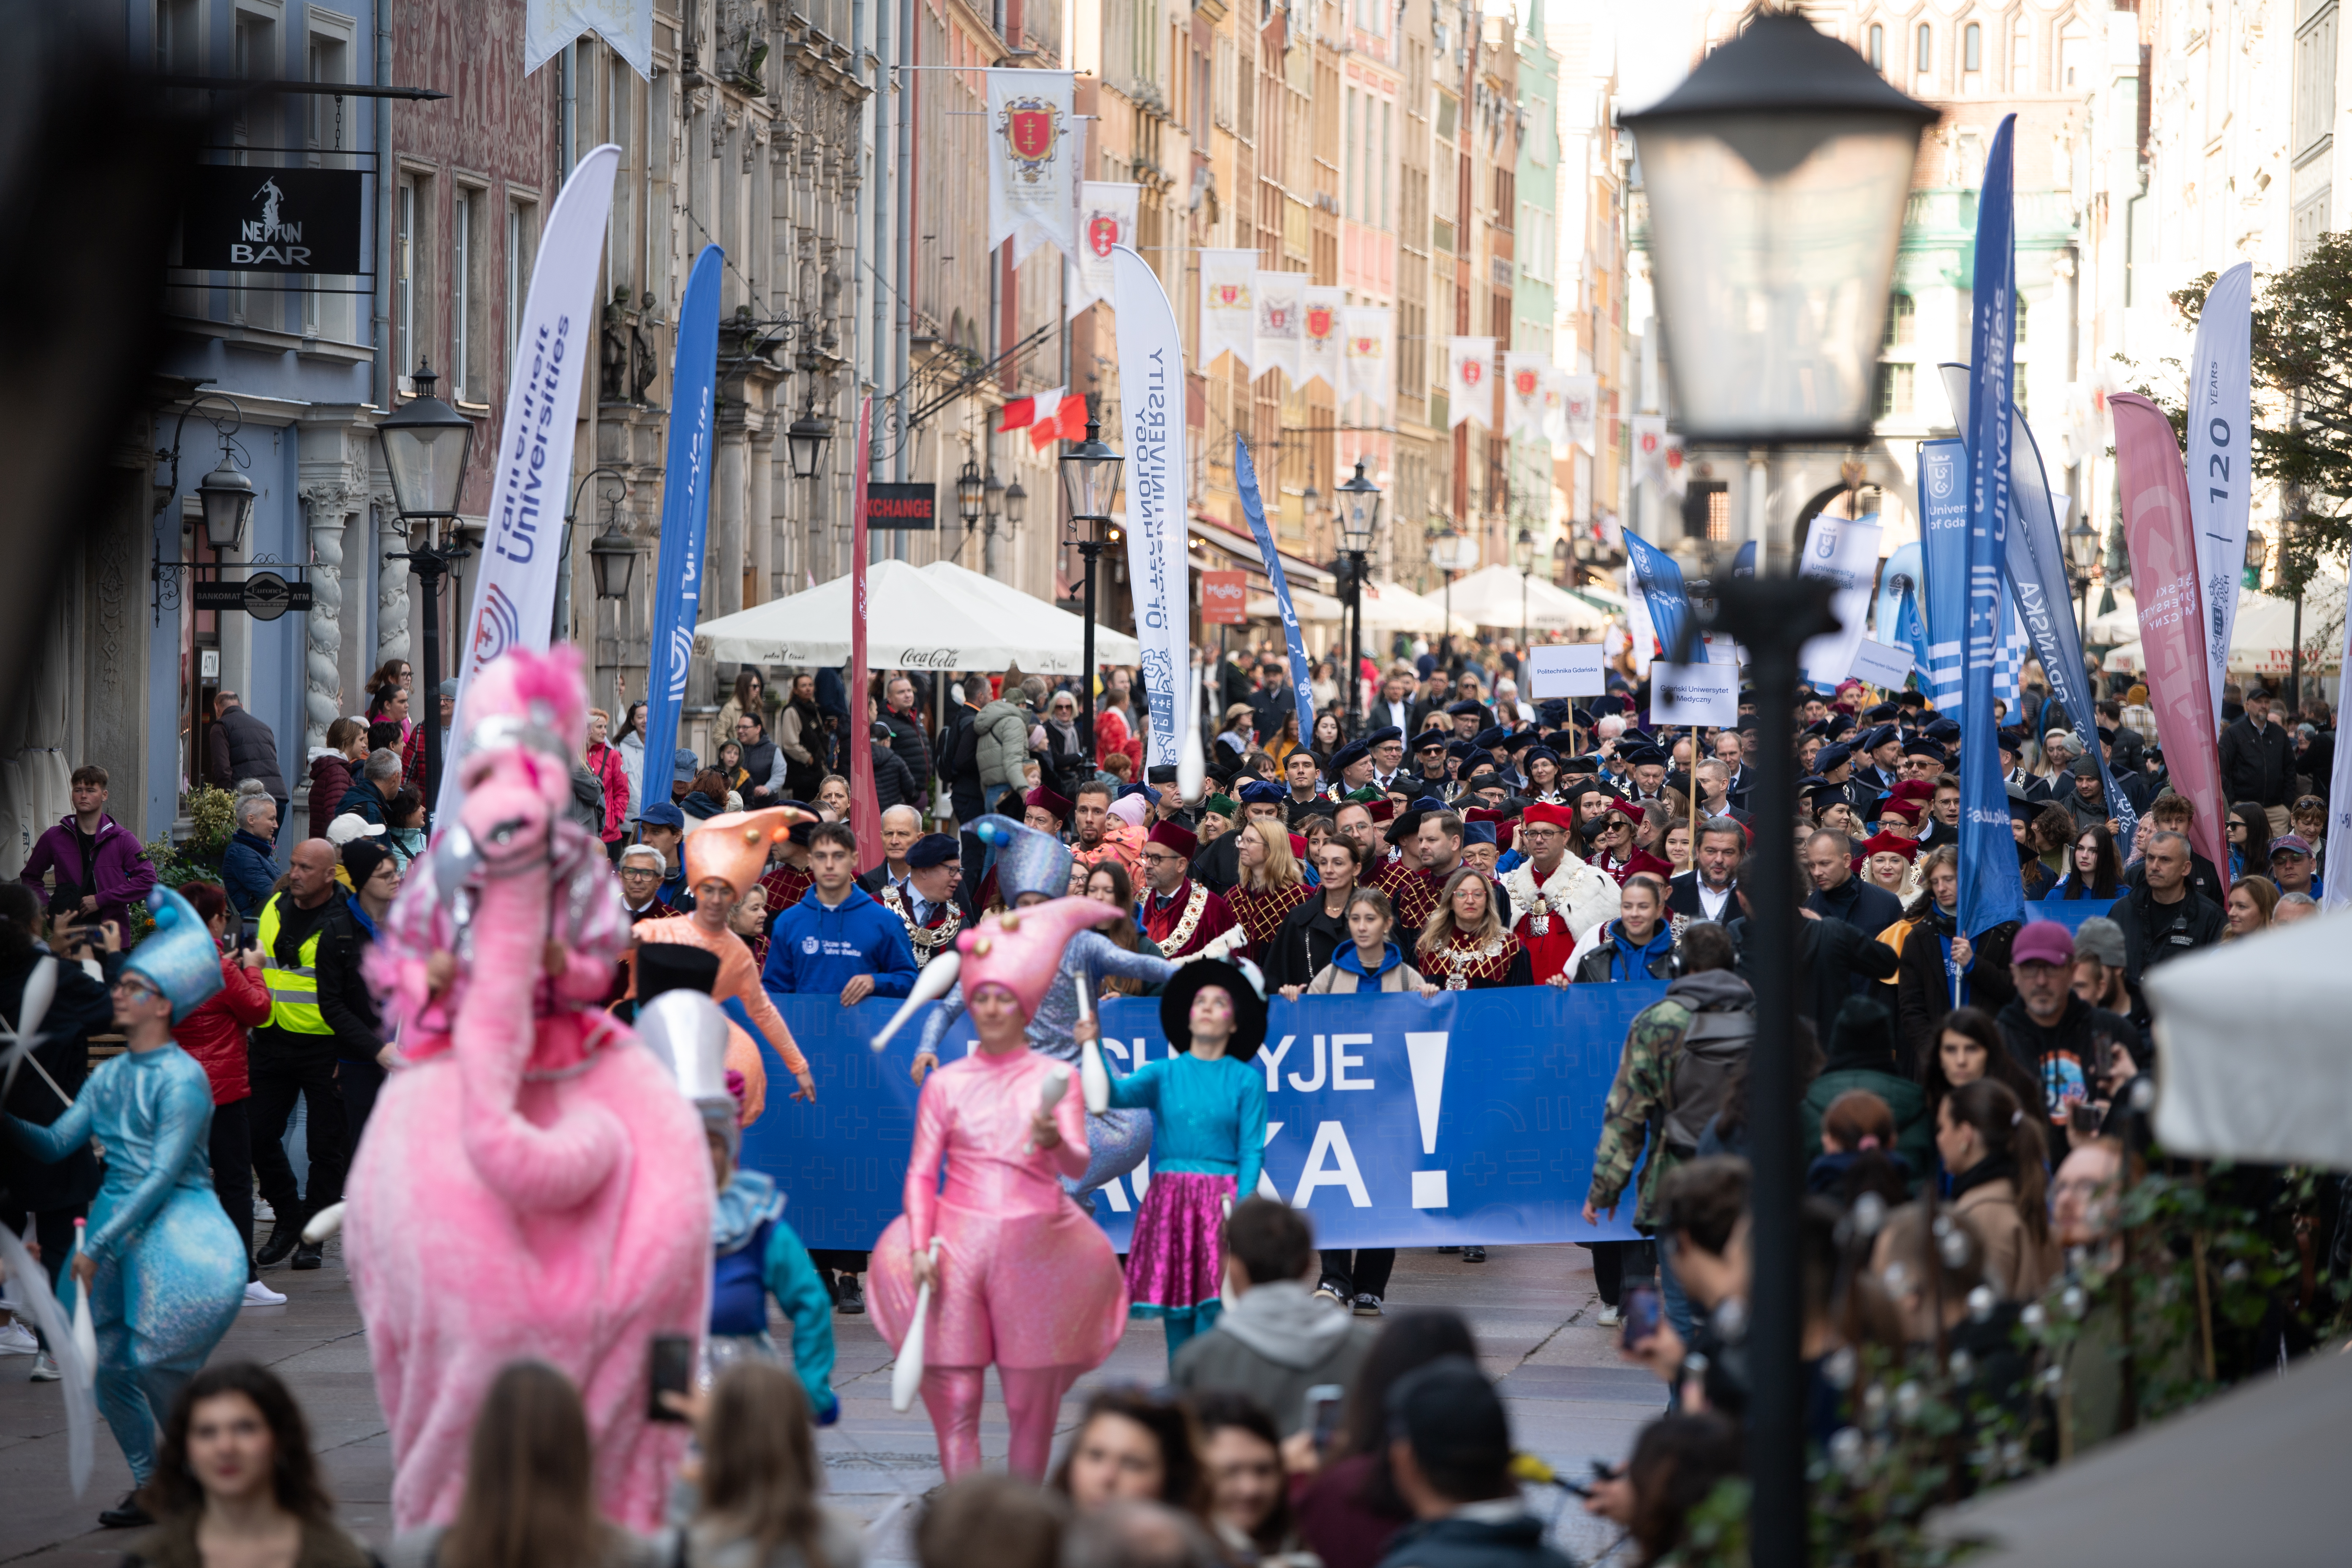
[[1777, 176], [1089, 479], [425, 446], [2083, 548], [228, 497], [972, 490], [805, 440], [1360, 518]]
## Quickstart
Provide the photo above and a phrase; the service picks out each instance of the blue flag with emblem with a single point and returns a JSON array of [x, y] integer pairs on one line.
[[686, 506], [1990, 890], [1662, 586], [1944, 565], [1302, 691]]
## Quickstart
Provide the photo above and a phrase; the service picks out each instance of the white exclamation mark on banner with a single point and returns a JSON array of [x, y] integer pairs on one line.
[[1426, 1052]]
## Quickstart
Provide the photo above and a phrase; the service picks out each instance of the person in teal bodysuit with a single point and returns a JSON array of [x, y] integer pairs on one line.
[[1208, 1143], [163, 1266]]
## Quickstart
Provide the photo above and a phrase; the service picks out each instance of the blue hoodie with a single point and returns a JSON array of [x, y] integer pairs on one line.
[[1636, 959], [814, 950], [1351, 959]]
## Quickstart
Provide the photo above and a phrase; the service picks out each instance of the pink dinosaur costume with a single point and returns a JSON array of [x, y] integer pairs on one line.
[[531, 1183], [1026, 1278]]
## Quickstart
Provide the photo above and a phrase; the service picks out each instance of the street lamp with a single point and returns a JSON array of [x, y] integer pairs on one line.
[[613, 555], [805, 439], [1016, 502], [1359, 519], [228, 497], [1090, 480], [1777, 177], [2083, 548], [425, 445], [1526, 552], [970, 491]]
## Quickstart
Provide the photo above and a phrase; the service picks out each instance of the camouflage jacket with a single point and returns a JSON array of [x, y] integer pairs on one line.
[[1634, 1122]]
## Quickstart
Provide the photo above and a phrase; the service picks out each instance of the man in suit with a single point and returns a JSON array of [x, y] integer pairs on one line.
[[1274, 700], [1732, 752], [1397, 708], [1708, 891], [1386, 746]]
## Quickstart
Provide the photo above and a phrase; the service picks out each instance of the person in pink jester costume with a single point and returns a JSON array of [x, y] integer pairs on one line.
[[1023, 1277], [532, 1184]]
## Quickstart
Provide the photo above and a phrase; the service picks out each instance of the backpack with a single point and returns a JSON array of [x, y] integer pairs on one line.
[[1716, 1042]]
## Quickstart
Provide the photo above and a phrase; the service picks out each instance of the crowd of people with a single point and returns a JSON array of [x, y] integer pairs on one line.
[[1958, 1084]]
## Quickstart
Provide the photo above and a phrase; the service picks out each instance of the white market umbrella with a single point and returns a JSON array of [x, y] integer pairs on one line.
[[1046, 624], [2119, 624], [2262, 641], [1309, 605], [914, 622], [1498, 596], [1393, 607], [2254, 1061]]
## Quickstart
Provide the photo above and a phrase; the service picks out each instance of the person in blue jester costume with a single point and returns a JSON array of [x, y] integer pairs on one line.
[[164, 1268], [1031, 867]]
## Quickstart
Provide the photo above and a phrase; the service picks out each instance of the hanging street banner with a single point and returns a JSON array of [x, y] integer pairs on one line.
[[1319, 357], [1369, 329], [2337, 894], [1152, 398], [549, 26], [1030, 190], [1944, 564], [1302, 674], [1470, 381], [1524, 371], [1662, 593], [1467, 1118], [514, 589], [1990, 889], [864, 812], [1281, 323], [2159, 532], [2220, 459], [686, 502], [1846, 553], [1105, 220], [1228, 308], [1581, 402]]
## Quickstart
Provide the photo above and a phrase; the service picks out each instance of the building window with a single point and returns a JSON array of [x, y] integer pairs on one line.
[[1972, 47], [179, 37], [1902, 321], [519, 217], [1895, 384], [469, 355], [2315, 81], [1877, 36], [1924, 60], [2021, 54], [408, 213]]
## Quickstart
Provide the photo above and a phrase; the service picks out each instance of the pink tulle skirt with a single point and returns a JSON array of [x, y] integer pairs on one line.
[[1176, 1260]]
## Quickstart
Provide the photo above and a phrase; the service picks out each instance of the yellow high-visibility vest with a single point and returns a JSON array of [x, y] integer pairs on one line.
[[293, 988]]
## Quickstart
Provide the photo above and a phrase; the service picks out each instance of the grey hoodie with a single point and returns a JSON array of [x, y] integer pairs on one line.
[[1274, 1343]]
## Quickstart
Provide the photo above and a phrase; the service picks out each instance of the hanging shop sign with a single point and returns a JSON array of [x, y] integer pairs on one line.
[[237, 218]]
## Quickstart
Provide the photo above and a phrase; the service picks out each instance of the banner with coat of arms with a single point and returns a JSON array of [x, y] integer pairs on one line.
[[1523, 393], [1658, 455], [1228, 307], [1281, 320], [1105, 218], [1030, 161], [1580, 400], [1320, 337], [1470, 381], [1368, 331]]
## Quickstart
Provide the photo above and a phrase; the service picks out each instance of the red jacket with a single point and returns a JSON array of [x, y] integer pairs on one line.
[[605, 762], [214, 1033]]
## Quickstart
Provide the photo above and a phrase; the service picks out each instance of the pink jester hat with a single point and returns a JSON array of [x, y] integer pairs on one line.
[[532, 1184]]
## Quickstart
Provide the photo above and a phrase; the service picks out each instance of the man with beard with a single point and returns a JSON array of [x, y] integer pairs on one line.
[[1180, 915]]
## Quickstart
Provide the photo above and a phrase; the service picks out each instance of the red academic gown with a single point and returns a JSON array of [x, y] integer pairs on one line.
[[1187, 921]]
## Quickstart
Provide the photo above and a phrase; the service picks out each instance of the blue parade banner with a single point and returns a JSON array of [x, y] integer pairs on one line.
[[1302, 676], [1944, 562], [1392, 1122], [686, 505], [2069, 912], [1911, 628], [1990, 891], [1661, 586]]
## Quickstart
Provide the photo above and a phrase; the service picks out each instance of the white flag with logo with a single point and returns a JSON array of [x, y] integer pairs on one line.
[[2220, 458], [549, 26], [1650, 449], [1846, 553], [1152, 399], [1368, 331], [1281, 322], [1523, 393], [1030, 155], [1228, 307], [1105, 218], [514, 590], [1676, 471], [1319, 355], [1579, 407], [1470, 381]]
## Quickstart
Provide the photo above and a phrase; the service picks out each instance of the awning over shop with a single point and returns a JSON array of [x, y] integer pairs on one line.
[[1242, 548], [1309, 605]]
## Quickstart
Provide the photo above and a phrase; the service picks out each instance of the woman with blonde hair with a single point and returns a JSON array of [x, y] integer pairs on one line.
[[1464, 945], [1271, 883], [759, 1506]]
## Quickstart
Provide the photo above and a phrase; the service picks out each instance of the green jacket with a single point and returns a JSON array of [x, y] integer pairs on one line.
[[1634, 1122], [1914, 1125]]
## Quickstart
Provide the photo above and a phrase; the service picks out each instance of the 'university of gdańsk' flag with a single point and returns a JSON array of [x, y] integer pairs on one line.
[[1281, 323], [1368, 330], [1580, 406], [1151, 400], [514, 591], [1664, 598], [1944, 565], [1470, 381], [2221, 479], [686, 502], [1320, 356], [1105, 219], [1029, 161], [1524, 371], [1302, 686], [1845, 552], [1228, 307]]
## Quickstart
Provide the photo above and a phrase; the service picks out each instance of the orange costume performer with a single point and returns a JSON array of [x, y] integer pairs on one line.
[[733, 848]]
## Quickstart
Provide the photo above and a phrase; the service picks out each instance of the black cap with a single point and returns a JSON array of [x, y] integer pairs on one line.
[[931, 849], [1466, 709], [1384, 733], [1429, 737]]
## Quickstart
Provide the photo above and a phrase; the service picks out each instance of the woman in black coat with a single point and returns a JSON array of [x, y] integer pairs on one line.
[[1923, 981]]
